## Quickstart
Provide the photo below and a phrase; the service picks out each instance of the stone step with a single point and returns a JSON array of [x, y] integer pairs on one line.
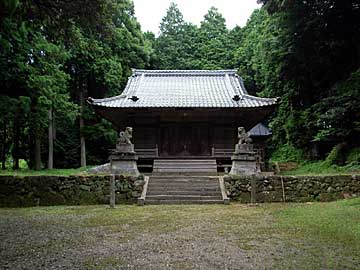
[[183, 185], [185, 160], [182, 189], [176, 177], [184, 192], [184, 173], [184, 169], [149, 202], [179, 164], [184, 197], [184, 181], [185, 165]]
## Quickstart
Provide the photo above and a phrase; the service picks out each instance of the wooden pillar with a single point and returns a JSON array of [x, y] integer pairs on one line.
[[253, 190], [112, 191]]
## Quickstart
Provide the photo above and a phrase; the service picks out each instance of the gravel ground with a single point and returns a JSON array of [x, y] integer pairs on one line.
[[157, 237]]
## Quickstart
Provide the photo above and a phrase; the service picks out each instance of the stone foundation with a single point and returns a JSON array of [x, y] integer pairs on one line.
[[292, 188], [243, 160], [16, 191], [123, 160]]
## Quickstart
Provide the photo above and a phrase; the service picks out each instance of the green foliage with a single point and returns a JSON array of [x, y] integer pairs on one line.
[[174, 47], [298, 53], [338, 114], [22, 164], [55, 172], [213, 47], [182, 45], [287, 153], [54, 53], [323, 168], [353, 156], [335, 156]]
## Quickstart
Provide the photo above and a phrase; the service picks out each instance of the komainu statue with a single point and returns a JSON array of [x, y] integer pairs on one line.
[[125, 136], [243, 158], [243, 136]]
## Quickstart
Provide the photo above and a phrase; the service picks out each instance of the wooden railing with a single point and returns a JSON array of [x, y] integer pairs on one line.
[[147, 152], [221, 152]]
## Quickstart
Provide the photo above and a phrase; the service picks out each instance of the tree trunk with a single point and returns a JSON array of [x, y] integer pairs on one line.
[[37, 150], [15, 152], [3, 150], [51, 140], [82, 138], [37, 136]]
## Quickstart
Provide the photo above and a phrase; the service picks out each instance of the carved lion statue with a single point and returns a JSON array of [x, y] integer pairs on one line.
[[243, 136], [125, 136]]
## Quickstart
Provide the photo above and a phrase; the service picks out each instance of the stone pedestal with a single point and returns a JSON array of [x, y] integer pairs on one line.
[[243, 160], [123, 160]]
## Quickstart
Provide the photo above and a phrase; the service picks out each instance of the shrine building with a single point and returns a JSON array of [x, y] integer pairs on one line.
[[186, 115]]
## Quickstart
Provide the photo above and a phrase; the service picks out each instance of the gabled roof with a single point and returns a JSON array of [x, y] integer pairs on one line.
[[259, 130], [184, 89]]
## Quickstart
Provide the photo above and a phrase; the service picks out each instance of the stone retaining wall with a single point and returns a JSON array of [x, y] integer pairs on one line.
[[17, 191], [292, 188]]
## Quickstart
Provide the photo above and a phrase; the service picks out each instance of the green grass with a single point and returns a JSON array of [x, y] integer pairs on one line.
[[328, 234], [57, 172], [284, 236], [322, 168], [334, 222]]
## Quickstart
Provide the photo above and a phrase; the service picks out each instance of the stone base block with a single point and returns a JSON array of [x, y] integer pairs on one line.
[[243, 164], [124, 147], [126, 167], [243, 168], [244, 148]]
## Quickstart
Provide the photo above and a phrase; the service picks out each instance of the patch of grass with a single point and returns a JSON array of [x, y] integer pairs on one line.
[[323, 168], [109, 262], [54, 172], [329, 223], [320, 235]]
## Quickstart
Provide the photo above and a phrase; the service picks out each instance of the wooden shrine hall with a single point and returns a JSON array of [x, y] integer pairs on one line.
[[185, 114]]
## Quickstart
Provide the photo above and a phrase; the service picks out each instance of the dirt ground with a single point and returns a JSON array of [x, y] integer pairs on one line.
[[160, 237]]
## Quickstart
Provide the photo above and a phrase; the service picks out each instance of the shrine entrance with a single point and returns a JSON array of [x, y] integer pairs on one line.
[[185, 139]]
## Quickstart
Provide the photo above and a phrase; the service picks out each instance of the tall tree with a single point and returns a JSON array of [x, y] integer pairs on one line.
[[213, 44], [175, 45], [53, 50]]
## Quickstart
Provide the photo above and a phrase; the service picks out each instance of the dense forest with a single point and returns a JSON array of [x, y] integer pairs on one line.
[[54, 54]]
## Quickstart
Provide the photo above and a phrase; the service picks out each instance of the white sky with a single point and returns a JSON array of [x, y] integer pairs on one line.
[[150, 12]]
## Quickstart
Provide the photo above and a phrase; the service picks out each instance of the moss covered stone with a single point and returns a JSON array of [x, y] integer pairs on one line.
[[293, 188], [18, 191]]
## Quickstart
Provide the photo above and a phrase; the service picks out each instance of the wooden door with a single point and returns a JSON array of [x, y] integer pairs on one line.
[[184, 139]]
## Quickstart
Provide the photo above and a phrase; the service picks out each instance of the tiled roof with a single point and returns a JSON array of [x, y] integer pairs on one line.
[[260, 130], [184, 89]]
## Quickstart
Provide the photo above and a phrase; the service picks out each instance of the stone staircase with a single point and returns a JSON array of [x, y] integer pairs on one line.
[[183, 190], [185, 166]]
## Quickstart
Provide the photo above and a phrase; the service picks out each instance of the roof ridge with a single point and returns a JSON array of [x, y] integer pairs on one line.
[[261, 98], [98, 100], [230, 85], [184, 71]]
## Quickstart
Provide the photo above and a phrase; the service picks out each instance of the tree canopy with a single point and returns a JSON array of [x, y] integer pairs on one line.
[[54, 54]]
